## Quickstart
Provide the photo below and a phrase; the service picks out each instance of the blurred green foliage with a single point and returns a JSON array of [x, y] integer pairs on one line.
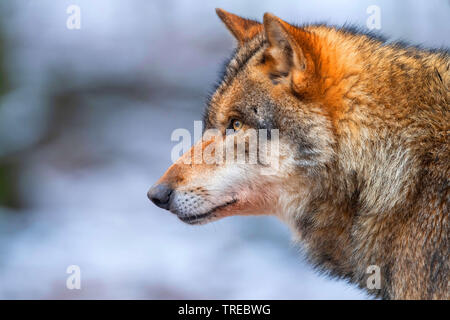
[[3, 77], [8, 194]]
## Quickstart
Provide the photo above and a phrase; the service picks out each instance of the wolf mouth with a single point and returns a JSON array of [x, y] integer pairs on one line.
[[196, 218]]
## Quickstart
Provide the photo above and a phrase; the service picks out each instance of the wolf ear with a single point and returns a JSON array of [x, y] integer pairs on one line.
[[242, 29], [289, 51]]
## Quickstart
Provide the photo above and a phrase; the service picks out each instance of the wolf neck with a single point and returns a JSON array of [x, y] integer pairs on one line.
[[364, 201], [344, 224]]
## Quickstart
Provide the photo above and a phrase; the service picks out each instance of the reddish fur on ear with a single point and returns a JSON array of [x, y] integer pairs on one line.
[[291, 53], [242, 29]]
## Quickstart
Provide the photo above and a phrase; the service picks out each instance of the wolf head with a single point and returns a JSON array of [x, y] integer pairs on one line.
[[283, 81]]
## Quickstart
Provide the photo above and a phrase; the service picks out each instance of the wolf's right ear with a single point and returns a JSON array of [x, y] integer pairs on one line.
[[289, 54], [242, 29]]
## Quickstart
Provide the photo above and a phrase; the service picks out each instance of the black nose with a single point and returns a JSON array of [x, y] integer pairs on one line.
[[160, 195]]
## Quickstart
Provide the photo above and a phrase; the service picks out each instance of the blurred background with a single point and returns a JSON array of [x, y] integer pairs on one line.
[[86, 117]]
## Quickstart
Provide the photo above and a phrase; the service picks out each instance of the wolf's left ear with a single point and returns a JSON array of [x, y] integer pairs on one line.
[[289, 52], [242, 29]]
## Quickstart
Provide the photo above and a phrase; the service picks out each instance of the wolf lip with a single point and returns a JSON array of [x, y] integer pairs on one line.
[[195, 218]]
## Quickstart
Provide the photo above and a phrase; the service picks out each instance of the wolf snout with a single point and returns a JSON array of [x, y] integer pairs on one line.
[[160, 195]]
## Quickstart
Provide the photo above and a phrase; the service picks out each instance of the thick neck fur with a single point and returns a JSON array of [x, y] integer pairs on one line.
[[392, 141]]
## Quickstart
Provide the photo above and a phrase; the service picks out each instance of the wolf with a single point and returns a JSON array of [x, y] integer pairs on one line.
[[363, 174]]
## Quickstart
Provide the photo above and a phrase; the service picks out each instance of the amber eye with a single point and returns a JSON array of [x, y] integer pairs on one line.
[[236, 124]]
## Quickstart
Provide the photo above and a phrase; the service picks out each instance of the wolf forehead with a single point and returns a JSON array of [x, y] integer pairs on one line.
[[255, 111], [255, 107]]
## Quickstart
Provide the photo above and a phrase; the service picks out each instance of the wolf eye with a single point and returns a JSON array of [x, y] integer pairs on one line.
[[236, 124]]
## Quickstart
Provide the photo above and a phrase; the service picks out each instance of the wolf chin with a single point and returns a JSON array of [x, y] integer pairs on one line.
[[363, 176]]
